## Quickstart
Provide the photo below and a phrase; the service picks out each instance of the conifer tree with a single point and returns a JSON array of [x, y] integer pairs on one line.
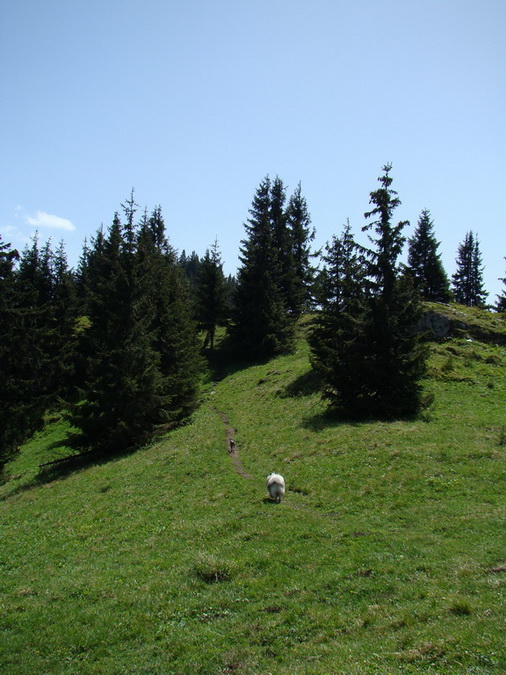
[[281, 241], [337, 335], [468, 287], [173, 324], [424, 262], [374, 364], [64, 316], [108, 393], [31, 370], [140, 352], [394, 356], [300, 234], [262, 327], [212, 306], [38, 365], [501, 299], [12, 422], [190, 264]]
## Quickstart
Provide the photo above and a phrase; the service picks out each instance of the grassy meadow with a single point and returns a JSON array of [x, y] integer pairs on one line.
[[387, 554]]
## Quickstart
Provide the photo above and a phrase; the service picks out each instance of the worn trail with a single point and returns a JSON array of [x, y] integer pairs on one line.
[[232, 447], [233, 452]]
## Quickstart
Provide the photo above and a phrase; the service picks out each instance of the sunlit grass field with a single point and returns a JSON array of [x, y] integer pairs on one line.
[[387, 554]]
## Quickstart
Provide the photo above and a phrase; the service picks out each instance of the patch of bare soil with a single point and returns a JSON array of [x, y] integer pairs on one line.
[[232, 447]]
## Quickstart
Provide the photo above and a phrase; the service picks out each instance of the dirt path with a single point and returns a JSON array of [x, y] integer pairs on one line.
[[232, 447], [233, 452]]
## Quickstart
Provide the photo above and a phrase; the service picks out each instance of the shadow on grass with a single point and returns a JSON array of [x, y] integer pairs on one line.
[[225, 360], [325, 420], [306, 384], [270, 502], [333, 418], [63, 467]]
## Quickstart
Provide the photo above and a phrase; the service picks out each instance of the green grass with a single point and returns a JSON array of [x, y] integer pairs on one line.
[[386, 556]]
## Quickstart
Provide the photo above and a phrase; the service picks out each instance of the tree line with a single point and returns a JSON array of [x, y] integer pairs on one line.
[[118, 342]]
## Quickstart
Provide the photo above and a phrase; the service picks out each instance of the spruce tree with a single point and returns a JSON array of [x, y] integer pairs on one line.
[[300, 235], [364, 343], [190, 265], [12, 422], [108, 391], [261, 327], [39, 365], [212, 306], [140, 355], [64, 316], [468, 287], [394, 356], [501, 299], [120, 387], [337, 334], [173, 325], [33, 343], [281, 242], [424, 262]]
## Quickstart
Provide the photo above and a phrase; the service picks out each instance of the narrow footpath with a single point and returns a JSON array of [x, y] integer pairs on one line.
[[232, 447]]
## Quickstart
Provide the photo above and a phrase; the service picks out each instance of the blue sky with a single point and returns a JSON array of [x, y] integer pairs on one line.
[[193, 102]]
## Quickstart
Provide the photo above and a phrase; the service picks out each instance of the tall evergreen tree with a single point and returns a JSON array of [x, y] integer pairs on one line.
[[424, 262], [261, 327], [300, 235], [39, 367], [212, 306], [468, 287], [375, 365], [12, 422], [281, 241], [336, 337], [32, 368], [190, 264], [395, 357], [501, 299], [108, 394], [64, 316], [173, 325], [140, 351]]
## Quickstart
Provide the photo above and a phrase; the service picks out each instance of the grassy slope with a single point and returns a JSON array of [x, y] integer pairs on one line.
[[386, 556]]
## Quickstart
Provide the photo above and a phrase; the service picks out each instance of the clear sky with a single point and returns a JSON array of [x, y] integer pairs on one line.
[[193, 102]]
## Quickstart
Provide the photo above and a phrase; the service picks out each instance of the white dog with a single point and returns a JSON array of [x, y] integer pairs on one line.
[[276, 486]]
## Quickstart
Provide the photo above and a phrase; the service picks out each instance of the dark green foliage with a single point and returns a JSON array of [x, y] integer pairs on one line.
[[501, 299], [364, 343], [38, 313], [42, 329], [300, 234], [336, 337], [64, 305], [10, 399], [281, 242], [275, 279], [291, 237], [424, 262], [190, 265], [468, 287], [140, 359], [174, 329], [262, 327], [394, 356], [212, 295]]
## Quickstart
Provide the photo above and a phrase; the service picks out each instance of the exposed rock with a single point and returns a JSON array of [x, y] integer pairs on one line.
[[439, 325]]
